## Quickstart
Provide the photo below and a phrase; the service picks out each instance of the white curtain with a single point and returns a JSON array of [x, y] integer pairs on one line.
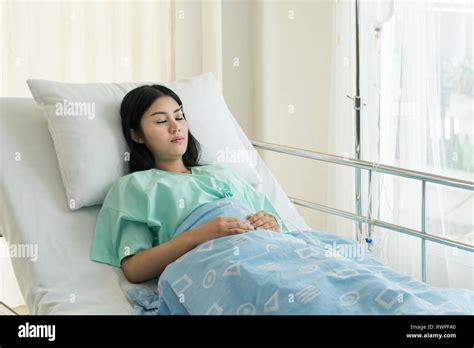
[[107, 41], [341, 125], [104, 41], [417, 80]]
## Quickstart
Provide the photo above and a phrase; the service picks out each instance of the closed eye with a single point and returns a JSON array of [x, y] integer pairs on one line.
[[178, 119]]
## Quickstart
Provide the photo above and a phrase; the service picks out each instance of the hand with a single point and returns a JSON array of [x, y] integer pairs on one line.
[[264, 220], [220, 227]]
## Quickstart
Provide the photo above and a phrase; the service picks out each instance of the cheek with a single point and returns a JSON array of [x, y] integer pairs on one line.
[[155, 134]]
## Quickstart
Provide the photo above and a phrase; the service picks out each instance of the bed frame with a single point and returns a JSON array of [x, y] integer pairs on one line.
[[368, 219]]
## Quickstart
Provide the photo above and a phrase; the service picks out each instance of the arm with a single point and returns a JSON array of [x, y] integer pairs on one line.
[[152, 262]]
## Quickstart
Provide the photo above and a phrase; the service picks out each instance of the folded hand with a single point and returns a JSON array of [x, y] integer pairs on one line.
[[264, 220]]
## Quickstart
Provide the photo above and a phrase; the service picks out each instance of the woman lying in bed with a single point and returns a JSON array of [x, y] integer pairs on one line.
[[166, 184], [212, 240]]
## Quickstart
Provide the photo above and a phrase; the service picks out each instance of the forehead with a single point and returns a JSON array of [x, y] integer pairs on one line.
[[165, 103]]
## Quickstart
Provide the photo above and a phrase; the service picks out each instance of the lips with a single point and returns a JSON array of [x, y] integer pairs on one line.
[[178, 140]]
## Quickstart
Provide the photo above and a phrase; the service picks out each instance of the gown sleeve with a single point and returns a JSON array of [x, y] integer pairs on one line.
[[121, 228]]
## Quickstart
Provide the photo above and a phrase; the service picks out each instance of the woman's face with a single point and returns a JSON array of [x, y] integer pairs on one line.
[[161, 124]]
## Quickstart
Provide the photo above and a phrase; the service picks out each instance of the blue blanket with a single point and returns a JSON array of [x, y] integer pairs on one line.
[[301, 272]]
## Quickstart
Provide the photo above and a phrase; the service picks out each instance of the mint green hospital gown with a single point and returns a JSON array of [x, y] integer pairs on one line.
[[145, 208]]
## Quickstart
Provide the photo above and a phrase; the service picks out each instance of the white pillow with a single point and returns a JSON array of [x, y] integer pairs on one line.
[[84, 123]]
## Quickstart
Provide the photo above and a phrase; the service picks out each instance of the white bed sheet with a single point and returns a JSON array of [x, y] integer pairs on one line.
[[63, 280]]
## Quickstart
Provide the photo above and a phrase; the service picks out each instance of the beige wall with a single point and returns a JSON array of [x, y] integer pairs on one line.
[[280, 90], [188, 38], [197, 35], [238, 66], [275, 68]]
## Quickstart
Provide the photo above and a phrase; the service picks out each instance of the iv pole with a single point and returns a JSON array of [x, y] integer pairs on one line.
[[357, 107]]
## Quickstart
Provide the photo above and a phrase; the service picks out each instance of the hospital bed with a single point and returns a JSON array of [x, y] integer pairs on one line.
[[63, 280]]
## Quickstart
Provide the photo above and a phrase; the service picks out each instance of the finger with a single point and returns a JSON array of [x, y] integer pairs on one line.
[[239, 224], [244, 231], [261, 221], [256, 216], [269, 226], [246, 225], [258, 220], [236, 221], [275, 223], [238, 231]]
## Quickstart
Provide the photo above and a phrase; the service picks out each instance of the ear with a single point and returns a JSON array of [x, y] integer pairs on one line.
[[136, 137]]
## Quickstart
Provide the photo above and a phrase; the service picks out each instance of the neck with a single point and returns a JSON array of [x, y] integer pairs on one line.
[[176, 166]]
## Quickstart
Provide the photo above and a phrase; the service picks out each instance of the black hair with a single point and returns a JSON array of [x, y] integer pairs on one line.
[[133, 106]]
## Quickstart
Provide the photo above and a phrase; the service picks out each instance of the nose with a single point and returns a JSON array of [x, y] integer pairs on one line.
[[174, 126]]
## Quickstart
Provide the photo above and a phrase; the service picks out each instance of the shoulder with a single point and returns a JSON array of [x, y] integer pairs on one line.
[[131, 184], [140, 178]]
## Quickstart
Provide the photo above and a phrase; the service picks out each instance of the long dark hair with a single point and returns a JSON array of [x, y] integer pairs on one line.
[[133, 106]]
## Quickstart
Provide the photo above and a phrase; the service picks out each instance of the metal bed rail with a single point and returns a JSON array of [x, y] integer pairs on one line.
[[380, 168]]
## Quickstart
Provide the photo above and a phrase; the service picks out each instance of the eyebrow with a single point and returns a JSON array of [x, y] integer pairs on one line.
[[164, 113]]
